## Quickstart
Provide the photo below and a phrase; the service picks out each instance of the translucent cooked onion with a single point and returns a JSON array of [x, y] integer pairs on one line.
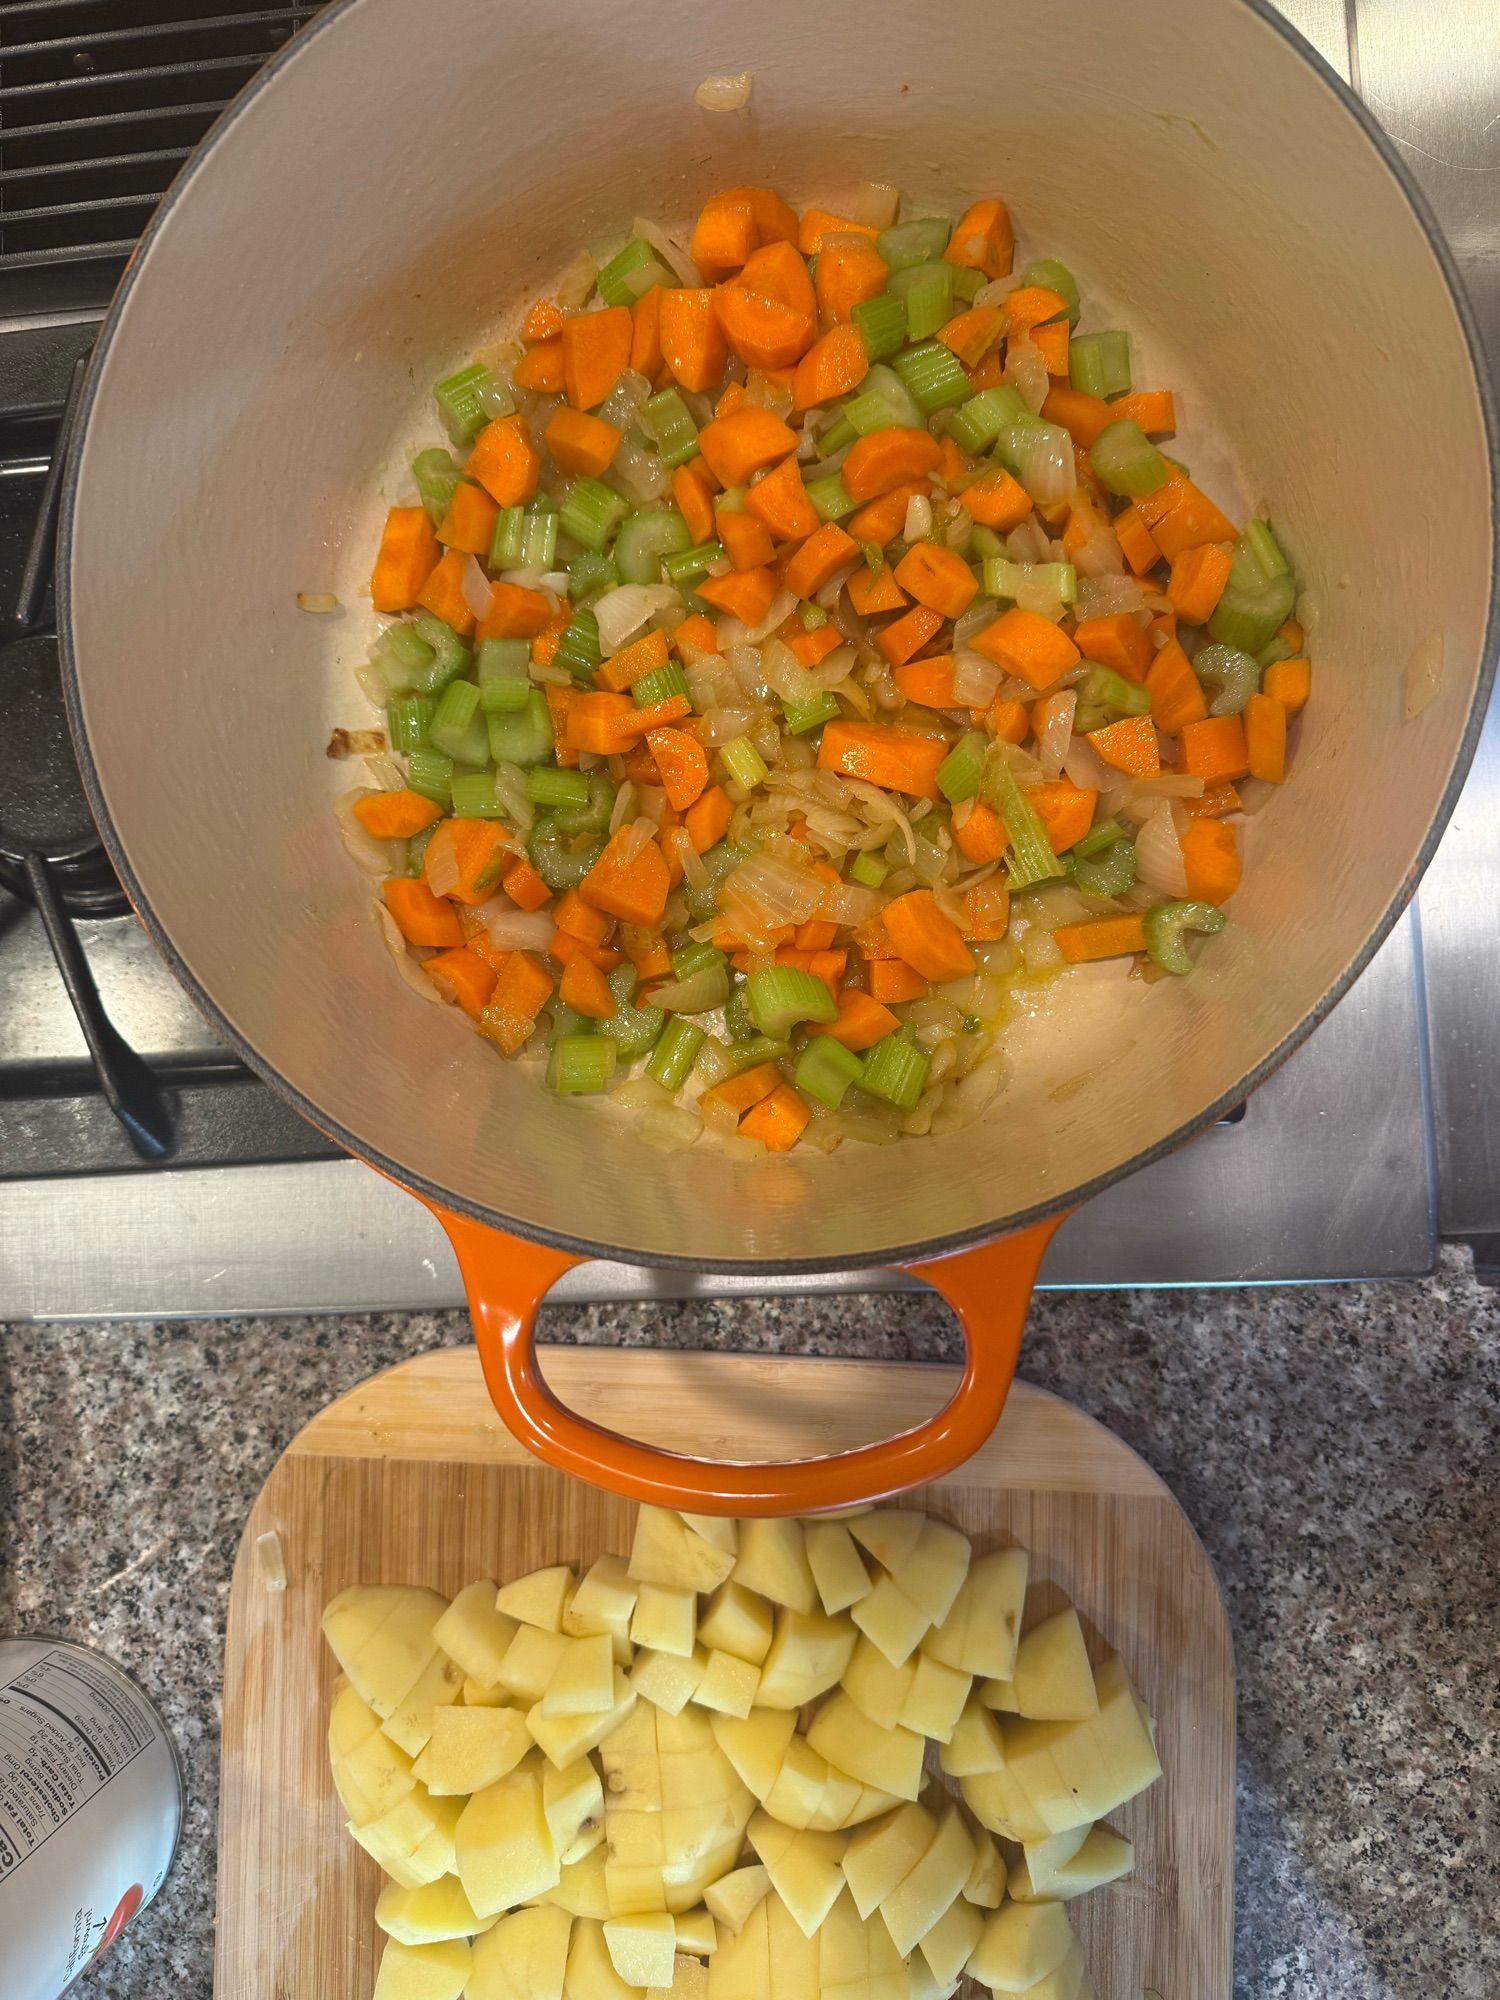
[[787, 895], [724, 93], [876, 204], [409, 968], [1028, 542], [1103, 596], [847, 902], [784, 673], [1027, 371], [624, 806], [575, 284], [693, 871], [1084, 767], [637, 472], [980, 614], [1056, 732], [881, 809], [722, 725], [733, 633], [918, 524], [745, 665], [321, 601], [510, 790], [626, 397], [441, 869], [1158, 852], [1099, 553], [671, 1128], [385, 773], [370, 856], [764, 392], [640, 1093], [634, 840], [995, 293], [512, 929], [1044, 462], [1040, 951], [624, 612], [675, 259], [478, 593]]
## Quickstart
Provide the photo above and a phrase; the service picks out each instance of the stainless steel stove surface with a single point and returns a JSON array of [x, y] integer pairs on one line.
[[1329, 1173]]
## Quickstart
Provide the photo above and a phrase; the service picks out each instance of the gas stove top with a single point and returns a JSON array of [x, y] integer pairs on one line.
[[1379, 1136]]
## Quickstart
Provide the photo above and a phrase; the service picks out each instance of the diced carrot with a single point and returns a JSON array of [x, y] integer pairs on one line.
[[983, 240], [986, 911], [1008, 720], [1103, 937], [1293, 634], [623, 669], [1130, 745], [581, 443], [606, 724], [1197, 582], [463, 978], [682, 763], [1028, 645], [564, 948], [1082, 416], [469, 523], [929, 682], [908, 634], [738, 446], [1066, 810], [505, 461], [724, 235], [543, 322], [645, 334], [694, 502], [541, 369], [421, 917], [515, 613], [707, 819], [775, 220], [635, 891], [829, 966], [408, 555], [880, 521], [817, 223], [1289, 682], [730, 398], [931, 943], [953, 466], [746, 541], [1029, 306], [580, 920], [850, 270], [873, 591], [831, 367], [982, 837], [1164, 622], [1265, 738], [560, 702], [523, 986], [862, 1021], [524, 885], [824, 551], [443, 593], [1176, 692], [1211, 859], [395, 815], [780, 501], [544, 646], [1215, 748], [872, 939], [778, 271], [1116, 640], [887, 458], [937, 577], [1136, 540], [692, 342], [1051, 342], [696, 631], [748, 1088], [746, 594], [1213, 801], [988, 374], [1181, 516], [893, 980], [778, 1121], [997, 501], [1155, 410], [973, 334], [812, 648], [769, 313], [897, 759], [647, 951], [585, 989], [596, 353]]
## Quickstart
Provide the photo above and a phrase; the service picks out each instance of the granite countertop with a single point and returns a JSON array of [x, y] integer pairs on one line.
[[1335, 1448]]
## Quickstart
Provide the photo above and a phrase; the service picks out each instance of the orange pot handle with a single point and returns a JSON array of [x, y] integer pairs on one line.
[[507, 1278]]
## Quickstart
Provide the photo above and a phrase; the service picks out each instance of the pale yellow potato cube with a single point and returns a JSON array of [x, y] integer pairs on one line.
[[916, 1903], [880, 1856], [946, 1947], [630, 1763], [878, 1689], [890, 1534], [383, 1637], [773, 1561], [808, 1654], [562, 1738], [409, 1723], [872, 1803], [890, 1619], [720, 1530], [985, 1887], [801, 1784], [537, 1599], [432, 1914], [477, 1695], [590, 1973], [641, 1948], [690, 1833], [573, 1801], [524, 1957], [474, 1634], [667, 1679], [531, 1659], [603, 1602], [755, 1744], [505, 1851], [685, 1883], [665, 1620], [1020, 1944], [889, 1758], [423, 1971], [1068, 1981], [935, 1700], [999, 1801], [583, 1681], [805, 1868], [738, 1621], [697, 1933], [474, 1747], [370, 1773], [843, 1946], [699, 1777], [975, 1745], [668, 1553], [1045, 1875], [731, 1899], [1053, 1679], [689, 1729], [921, 1985], [793, 1954], [689, 1981], [1000, 1695], [979, 1634], [728, 1685], [634, 1888], [581, 1889], [1077, 1771], [634, 1839], [841, 1797], [836, 1564], [933, 1574], [414, 1841], [741, 1968]]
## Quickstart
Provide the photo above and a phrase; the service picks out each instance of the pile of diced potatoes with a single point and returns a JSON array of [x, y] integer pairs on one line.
[[726, 1770]]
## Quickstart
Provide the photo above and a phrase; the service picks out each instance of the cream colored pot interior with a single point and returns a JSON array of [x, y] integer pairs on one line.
[[409, 179]]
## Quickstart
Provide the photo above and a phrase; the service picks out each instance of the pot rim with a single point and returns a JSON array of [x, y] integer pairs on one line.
[[585, 1247]]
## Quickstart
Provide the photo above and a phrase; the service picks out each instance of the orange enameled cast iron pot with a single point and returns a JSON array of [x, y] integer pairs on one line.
[[380, 202]]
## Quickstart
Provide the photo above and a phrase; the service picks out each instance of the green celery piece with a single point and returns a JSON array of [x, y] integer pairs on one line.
[[1166, 926]]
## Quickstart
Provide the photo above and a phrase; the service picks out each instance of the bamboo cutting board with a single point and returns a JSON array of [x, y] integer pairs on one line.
[[412, 1479]]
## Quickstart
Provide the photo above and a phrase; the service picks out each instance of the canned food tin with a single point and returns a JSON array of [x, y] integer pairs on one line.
[[90, 1810]]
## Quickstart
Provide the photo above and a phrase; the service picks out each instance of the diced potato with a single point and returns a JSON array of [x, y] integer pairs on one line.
[[474, 1747], [738, 1621], [573, 1802], [414, 1841], [880, 1856], [935, 1700], [805, 1868], [1045, 1876], [666, 1552], [1077, 1771], [843, 1947], [872, 1803], [838, 1569], [370, 1773], [666, 1679], [879, 1690], [603, 1602], [474, 1634], [975, 1745], [921, 1983], [590, 1973], [689, 1981], [628, 1757], [642, 1948], [808, 1654], [842, 1795], [985, 1887], [998, 1801], [889, 1618], [537, 1599], [728, 1685], [432, 1914], [947, 1945], [665, 1620], [1053, 1679], [531, 1659], [933, 1574], [741, 1968], [634, 1839], [889, 1758], [922, 1897], [1000, 1695], [685, 1883], [562, 1738], [703, 1776], [524, 1957], [697, 1933], [732, 1898], [801, 1784], [1020, 1944], [634, 1888], [689, 1729], [773, 1561], [505, 1850], [423, 1971], [793, 1954], [476, 1695], [581, 1890], [409, 1724], [979, 1634], [755, 1744], [890, 1534], [692, 1833], [383, 1637], [583, 1681], [1068, 1981], [717, 1529]]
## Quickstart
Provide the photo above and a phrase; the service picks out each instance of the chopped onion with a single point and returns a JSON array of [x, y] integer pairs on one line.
[[995, 293], [1099, 553], [671, 1128], [1168, 785], [441, 869], [722, 725], [1102, 596], [575, 284], [764, 392], [745, 665], [624, 612], [624, 806], [882, 808], [1085, 768], [494, 397], [637, 472], [676, 260], [975, 679], [371, 856], [321, 601], [640, 1093], [1027, 371], [410, 968], [634, 840], [1158, 852], [512, 929], [784, 673], [385, 773], [787, 895], [876, 204], [1056, 732], [918, 518], [475, 585], [693, 871], [724, 93], [515, 801], [829, 595], [626, 397], [733, 633], [1041, 952], [847, 902]]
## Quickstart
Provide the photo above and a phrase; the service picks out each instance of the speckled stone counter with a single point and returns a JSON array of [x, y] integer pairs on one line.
[[1336, 1449]]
